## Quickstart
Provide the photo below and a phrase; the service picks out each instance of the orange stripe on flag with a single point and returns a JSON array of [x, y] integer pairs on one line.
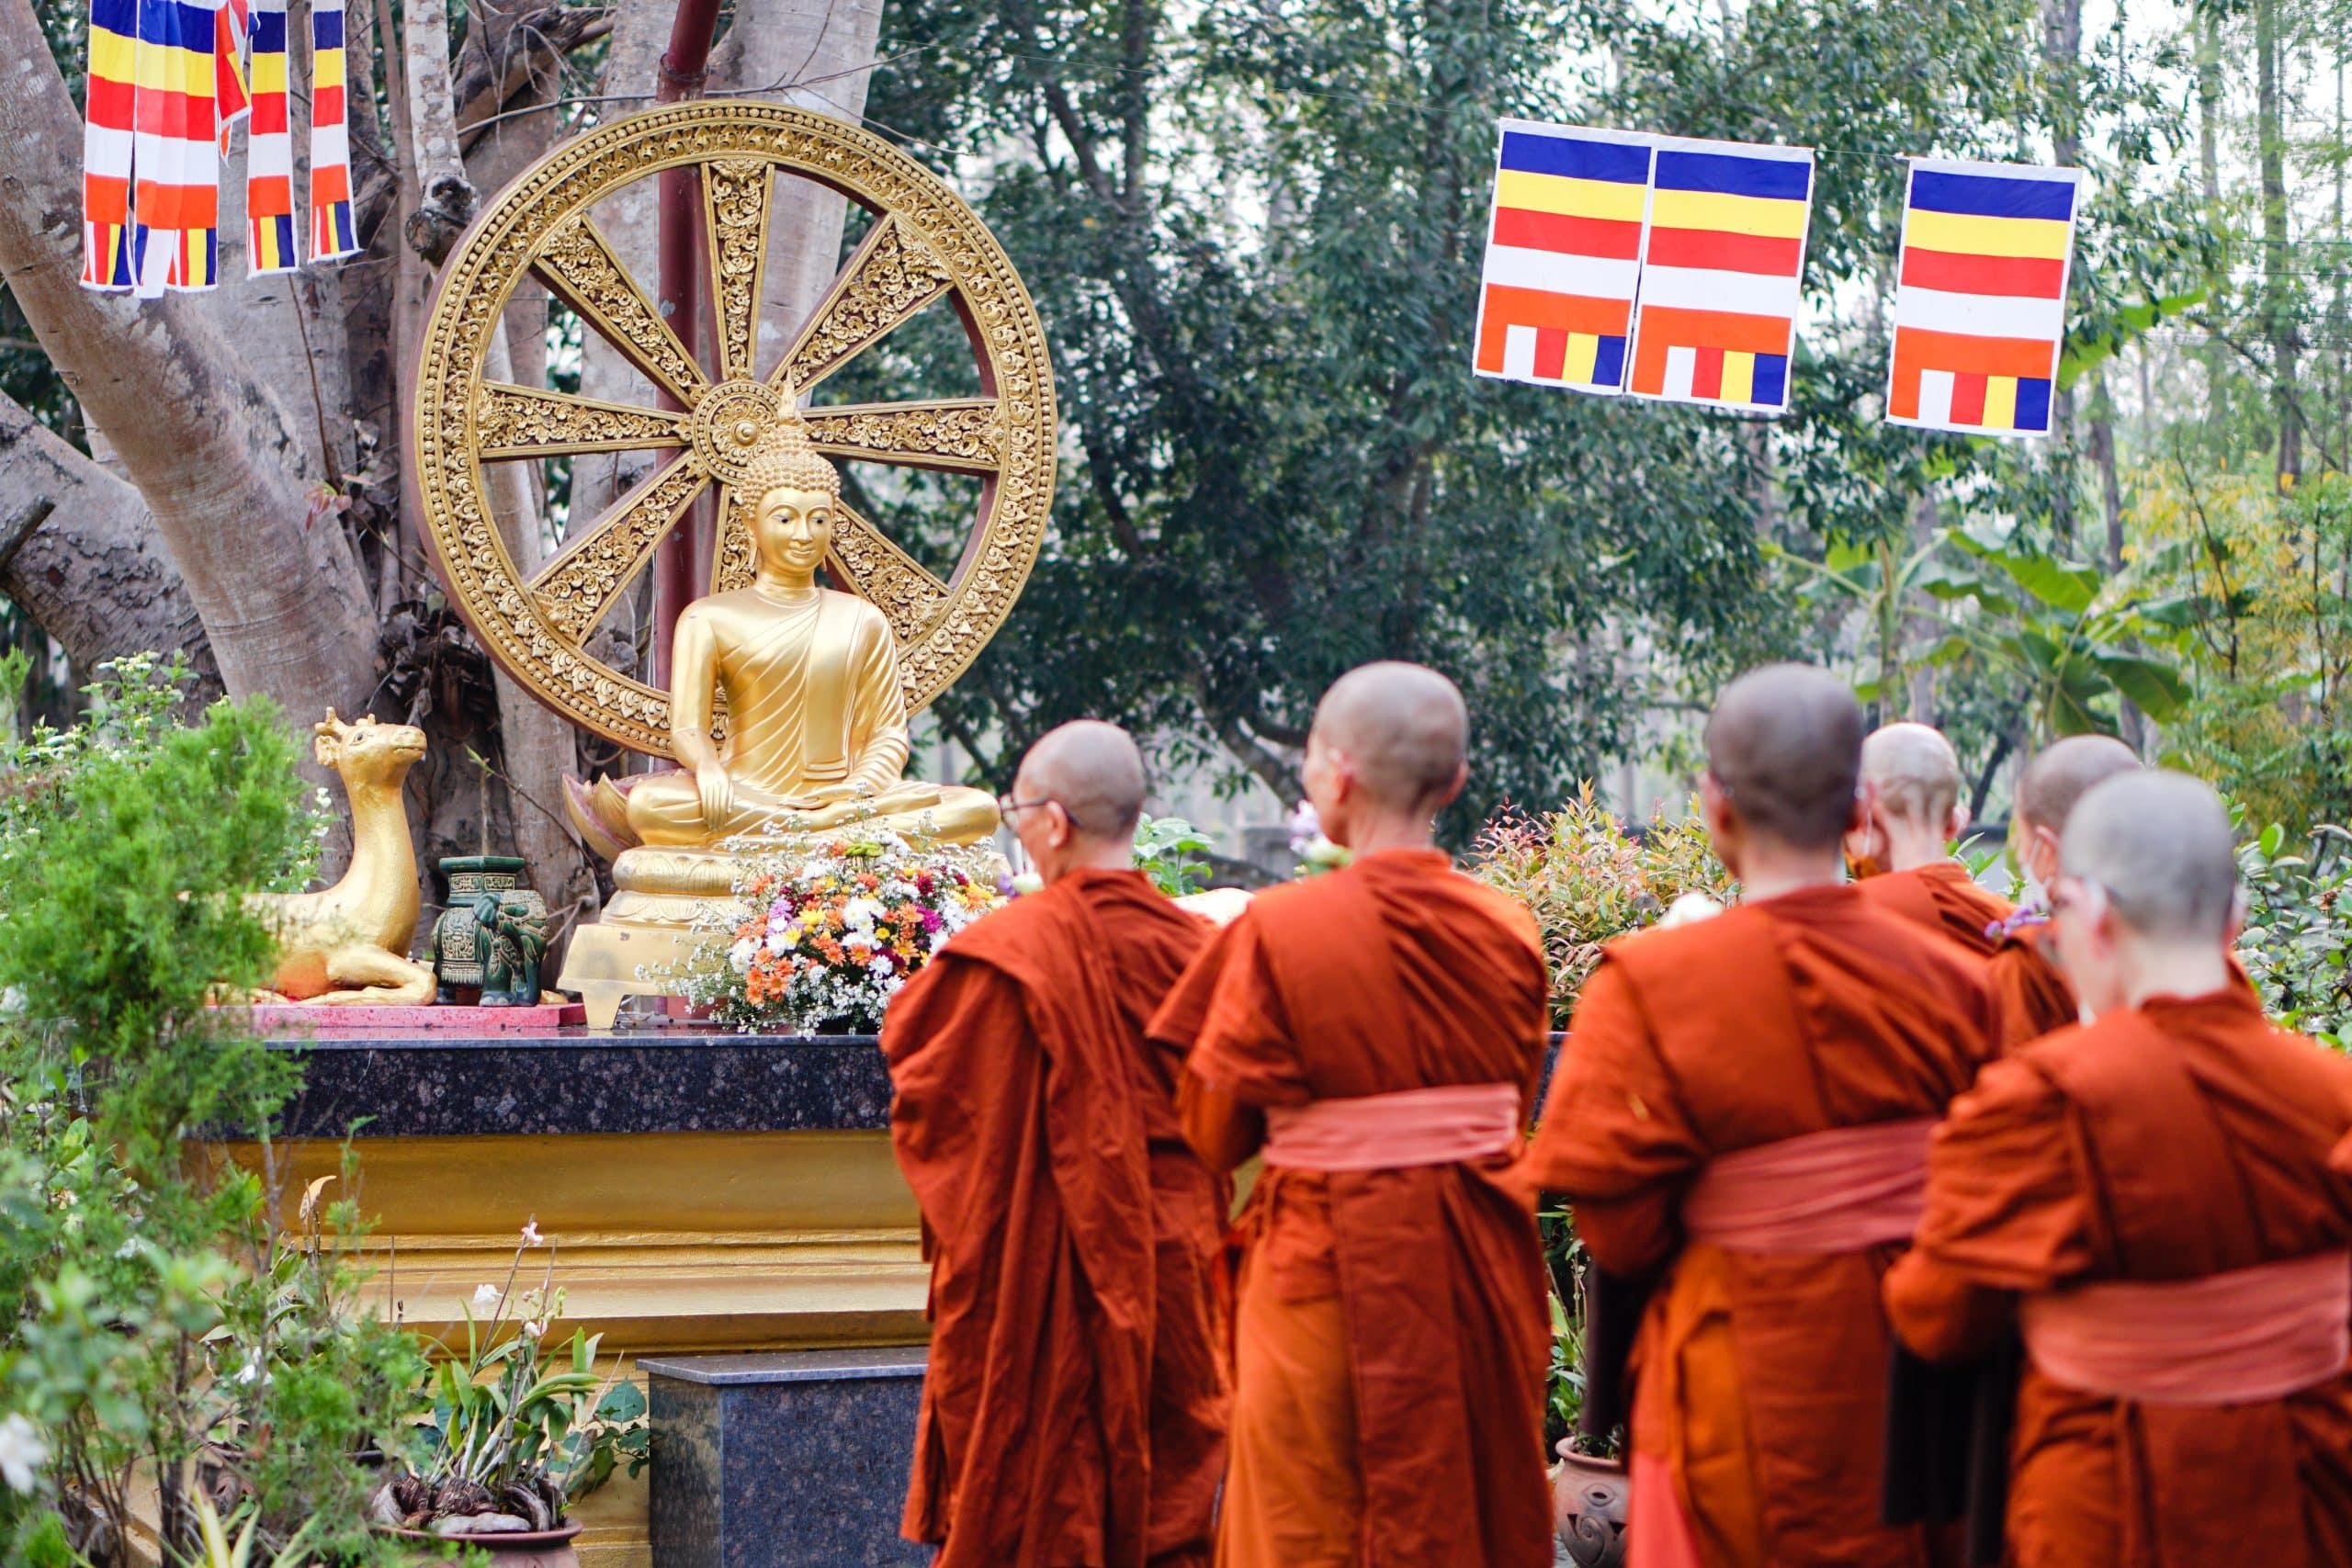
[[1963, 353]]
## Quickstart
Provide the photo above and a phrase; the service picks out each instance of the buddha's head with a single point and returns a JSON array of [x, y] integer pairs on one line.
[[792, 491]]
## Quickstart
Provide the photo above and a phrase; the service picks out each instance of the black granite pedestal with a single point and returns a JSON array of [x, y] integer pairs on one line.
[[793, 1458]]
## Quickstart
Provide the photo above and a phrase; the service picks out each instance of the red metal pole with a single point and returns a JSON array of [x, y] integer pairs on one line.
[[684, 65]]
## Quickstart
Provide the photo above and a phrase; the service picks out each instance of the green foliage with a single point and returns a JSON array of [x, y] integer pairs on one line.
[[155, 1329], [1173, 854], [1586, 879], [2297, 937]]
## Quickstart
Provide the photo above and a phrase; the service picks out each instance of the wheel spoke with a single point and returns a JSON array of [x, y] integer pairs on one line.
[[578, 263], [894, 274], [525, 422], [734, 563], [581, 584], [735, 203], [908, 597], [965, 434]]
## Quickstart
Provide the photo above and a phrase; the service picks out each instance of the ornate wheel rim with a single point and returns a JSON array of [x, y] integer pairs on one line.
[[925, 245]]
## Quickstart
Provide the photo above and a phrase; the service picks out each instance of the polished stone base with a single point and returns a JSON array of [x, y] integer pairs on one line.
[[785, 1460]]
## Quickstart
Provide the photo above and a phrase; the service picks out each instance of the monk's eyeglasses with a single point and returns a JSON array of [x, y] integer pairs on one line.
[[1009, 808]]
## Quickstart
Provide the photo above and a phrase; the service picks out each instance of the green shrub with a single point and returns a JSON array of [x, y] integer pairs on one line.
[[2297, 936]]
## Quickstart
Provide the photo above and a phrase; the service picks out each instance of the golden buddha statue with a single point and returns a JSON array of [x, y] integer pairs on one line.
[[816, 724]]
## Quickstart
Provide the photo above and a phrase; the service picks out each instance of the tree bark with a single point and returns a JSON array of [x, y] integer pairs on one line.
[[2278, 289], [206, 441], [78, 554], [2062, 48], [2208, 169]]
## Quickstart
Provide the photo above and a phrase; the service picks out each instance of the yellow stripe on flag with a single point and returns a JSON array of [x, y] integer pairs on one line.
[[1570, 199], [1966, 235], [269, 73], [2000, 402], [1731, 214], [111, 55], [327, 69], [1739, 378], [167, 69], [1583, 349]]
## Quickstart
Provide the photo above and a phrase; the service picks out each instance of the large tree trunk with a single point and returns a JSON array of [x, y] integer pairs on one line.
[[2277, 287], [78, 554], [204, 438]]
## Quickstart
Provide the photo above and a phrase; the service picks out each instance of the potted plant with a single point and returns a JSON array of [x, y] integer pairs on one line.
[[518, 1433]]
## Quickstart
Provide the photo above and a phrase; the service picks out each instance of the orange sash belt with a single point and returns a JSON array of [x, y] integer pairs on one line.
[[1841, 1190], [1395, 1131], [2249, 1335]]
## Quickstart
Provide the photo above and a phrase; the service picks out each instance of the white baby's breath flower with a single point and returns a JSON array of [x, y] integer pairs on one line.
[[740, 956], [22, 1453]]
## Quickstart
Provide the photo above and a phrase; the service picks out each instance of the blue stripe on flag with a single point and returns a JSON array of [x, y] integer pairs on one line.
[[177, 25], [1770, 386], [1608, 363], [1628, 163], [1990, 196], [326, 30], [2033, 405], [268, 32], [117, 17], [1782, 179]]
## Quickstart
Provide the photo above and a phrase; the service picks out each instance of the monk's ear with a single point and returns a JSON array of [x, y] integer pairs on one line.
[[2237, 917], [1859, 817], [1956, 826], [1453, 790]]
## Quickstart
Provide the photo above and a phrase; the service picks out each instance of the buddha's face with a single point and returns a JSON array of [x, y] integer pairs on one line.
[[792, 529]]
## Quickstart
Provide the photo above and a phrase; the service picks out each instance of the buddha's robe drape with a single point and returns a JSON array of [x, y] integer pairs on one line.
[[1391, 1324], [1073, 1413], [2178, 1139], [1759, 1379]]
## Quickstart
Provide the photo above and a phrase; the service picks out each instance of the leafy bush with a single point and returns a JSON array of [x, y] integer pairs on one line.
[[157, 1328], [1173, 854], [1587, 878], [2297, 937]]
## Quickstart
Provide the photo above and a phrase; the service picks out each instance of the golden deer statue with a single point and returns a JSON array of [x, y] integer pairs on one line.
[[349, 943]]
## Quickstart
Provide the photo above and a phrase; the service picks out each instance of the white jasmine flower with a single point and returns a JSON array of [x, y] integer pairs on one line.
[[22, 1453]]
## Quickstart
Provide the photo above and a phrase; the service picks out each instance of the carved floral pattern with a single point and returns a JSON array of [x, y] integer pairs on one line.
[[892, 275], [523, 421], [580, 583], [579, 263], [736, 191], [966, 434]]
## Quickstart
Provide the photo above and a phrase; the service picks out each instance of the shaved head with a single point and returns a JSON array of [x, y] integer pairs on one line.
[[2063, 771], [1915, 769], [2160, 844], [1094, 771], [1403, 729], [1785, 744]]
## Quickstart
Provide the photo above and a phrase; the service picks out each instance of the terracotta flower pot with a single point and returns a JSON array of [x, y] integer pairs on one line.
[[523, 1549], [1588, 1499]]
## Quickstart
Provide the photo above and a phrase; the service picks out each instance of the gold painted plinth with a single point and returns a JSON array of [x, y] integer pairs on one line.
[[662, 1243], [641, 936]]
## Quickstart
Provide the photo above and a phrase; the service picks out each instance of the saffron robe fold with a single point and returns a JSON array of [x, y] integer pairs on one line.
[[2169, 1142], [2033, 993], [1074, 1409], [1942, 897], [1759, 1379], [1392, 1346]]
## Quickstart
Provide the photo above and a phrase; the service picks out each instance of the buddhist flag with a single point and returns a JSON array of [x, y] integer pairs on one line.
[[269, 149], [333, 234], [1980, 301], [1563, 256], [1723, 269]]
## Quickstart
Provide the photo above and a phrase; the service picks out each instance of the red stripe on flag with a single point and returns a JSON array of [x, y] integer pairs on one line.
[[1707, 375], [1674, 326], [1917, 349], [1610, 238], [178, 206], [1968, 400], [269, 114], [327, 107], [1551, 352], [1719, 252], [269, 196], [111, 103], [105, 199], [1511, 307], [2020, 278]]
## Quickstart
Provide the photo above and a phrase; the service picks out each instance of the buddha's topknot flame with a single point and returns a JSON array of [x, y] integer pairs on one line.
[[787, 459]]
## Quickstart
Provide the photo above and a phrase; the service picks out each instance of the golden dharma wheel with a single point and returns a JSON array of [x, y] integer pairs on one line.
[[924, 246]]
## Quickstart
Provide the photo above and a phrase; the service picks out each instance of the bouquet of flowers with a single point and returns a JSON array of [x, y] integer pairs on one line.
[[822, 937]]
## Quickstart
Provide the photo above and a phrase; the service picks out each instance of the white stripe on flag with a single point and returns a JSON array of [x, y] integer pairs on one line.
[[330, 144], [107, 150], [1682, 366], [1695, 288], [1519, 352], [1985, 315], [1935, 397], [1595, 277]]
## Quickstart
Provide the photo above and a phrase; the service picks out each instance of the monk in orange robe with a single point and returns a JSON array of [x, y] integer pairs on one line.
[[1911, 813], [2035, 997], [1074, 1410], [1741, 1111], [2149, 1196], [1376, 1033]]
